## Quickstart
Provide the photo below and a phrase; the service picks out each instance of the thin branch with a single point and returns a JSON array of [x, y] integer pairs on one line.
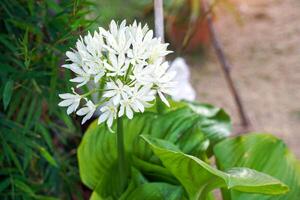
[[226, 69], [159, 19], [192, 26]]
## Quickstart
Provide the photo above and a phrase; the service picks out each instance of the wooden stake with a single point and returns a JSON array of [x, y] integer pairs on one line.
[[226, 69], [159, 19]]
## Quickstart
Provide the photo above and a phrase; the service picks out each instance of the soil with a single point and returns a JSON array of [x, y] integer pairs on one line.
[[265, 54]]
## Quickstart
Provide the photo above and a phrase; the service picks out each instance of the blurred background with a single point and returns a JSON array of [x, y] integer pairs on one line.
[[38, 141]]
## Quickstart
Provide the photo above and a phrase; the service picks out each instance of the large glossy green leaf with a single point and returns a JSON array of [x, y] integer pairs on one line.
[[157, 191], [199, 178], [215, 121], [265, 153], [186, 127], [151, 191]]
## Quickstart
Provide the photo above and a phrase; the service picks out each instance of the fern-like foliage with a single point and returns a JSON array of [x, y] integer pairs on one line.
[[37, 139]]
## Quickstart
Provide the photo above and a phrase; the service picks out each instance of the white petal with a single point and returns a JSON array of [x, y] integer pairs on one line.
[[74, 57], [111, 86], [148, 98], [140, 106], [66, 96], [123, 24], [134, 107], [109, 93], [71, 109], [110, 121], [121, 60], [113, 60], [148, 36], [129, 112], [113, 27], [78, 79], [103, 117], [87, 117], [98, 76], [66, 102], [116, 99], [83, 111], [74, 67], [83, 83], [163, 98], [121, 112]]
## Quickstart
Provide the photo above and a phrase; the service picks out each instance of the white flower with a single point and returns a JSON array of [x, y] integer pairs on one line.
[[163, 80], [116, 91], [70, 100], [123, 67], [109, 113], [141, 74], [136, 31], [82, 80], [86, 59], [184, 89], [82, 76], [127, 106], [141, 96], [140, 46], [117, 42], [88, 111], [118, 65], [157, 50]]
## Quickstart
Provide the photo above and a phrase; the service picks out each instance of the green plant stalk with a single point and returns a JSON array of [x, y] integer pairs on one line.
[[159, 105], [122, 161]]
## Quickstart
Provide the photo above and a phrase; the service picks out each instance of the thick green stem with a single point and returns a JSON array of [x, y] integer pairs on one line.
[[122, 161]]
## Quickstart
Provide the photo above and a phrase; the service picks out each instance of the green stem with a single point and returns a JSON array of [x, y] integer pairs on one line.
[[91, 92], [122, 161], [159, 105], [154, 170]]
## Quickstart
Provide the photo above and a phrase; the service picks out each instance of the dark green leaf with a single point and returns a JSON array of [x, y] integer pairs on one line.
[[7, 93], [48, 157], [4, 184], [24, 187]]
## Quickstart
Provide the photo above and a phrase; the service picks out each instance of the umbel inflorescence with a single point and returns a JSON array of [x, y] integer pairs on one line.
[[124, 64]]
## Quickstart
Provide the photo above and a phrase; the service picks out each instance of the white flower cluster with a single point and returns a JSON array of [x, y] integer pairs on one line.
[[126, 65]]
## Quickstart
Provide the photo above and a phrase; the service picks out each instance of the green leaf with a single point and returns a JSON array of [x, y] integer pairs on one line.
[[48, 157], [32, 47], [4, 184], [7, 93], [186, 127], [157, 191], [199, 178], [265, 153], [95, 196], [216, 123], [24, 187], [140, 187]]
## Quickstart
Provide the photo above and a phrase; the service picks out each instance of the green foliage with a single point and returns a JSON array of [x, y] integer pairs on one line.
[[265, 153], [140, 187], [7, 92], [184, 127], [38, 139], [120, 10], [199, 178], [181, 139]]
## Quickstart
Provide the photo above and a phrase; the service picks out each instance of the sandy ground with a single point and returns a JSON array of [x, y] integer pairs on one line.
[[265, 54]]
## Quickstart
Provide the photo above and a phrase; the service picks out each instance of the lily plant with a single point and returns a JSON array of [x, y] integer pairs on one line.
[[126, 64], [161, 155]]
